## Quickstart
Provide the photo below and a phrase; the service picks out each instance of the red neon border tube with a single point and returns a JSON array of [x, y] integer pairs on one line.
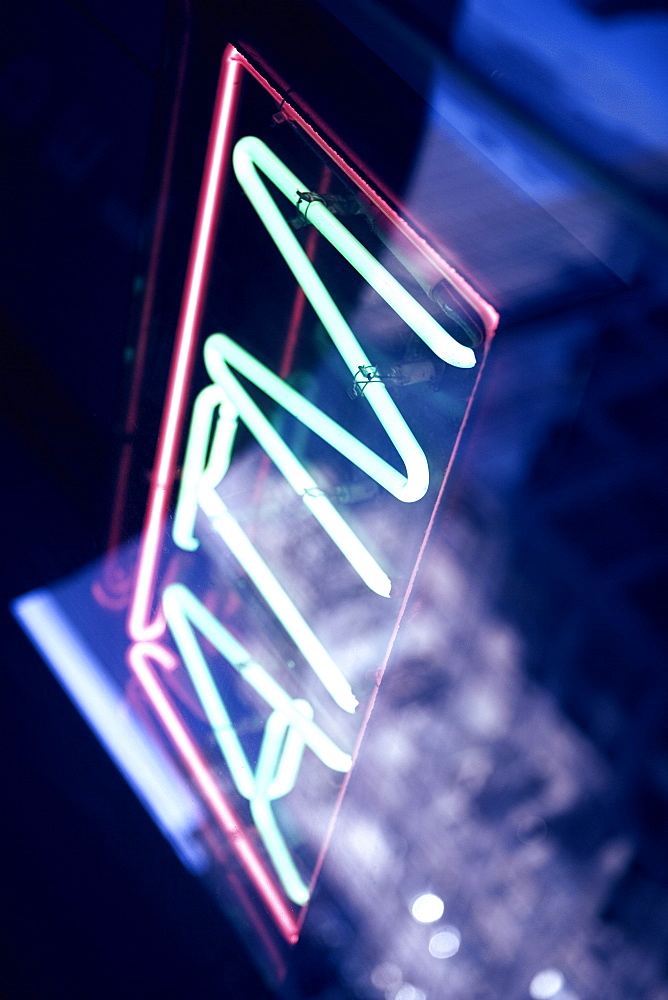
[[145, 625], [138, 657], [141, 626]]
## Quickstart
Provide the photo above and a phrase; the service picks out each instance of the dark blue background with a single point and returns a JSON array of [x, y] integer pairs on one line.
[[569, 470]]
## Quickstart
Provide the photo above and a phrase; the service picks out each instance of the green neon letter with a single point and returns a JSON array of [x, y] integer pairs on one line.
[[199, 481], [288, 730], [250, 155]]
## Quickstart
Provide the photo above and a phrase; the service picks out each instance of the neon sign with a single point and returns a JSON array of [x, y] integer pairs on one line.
[[290, 727], [324, 463]]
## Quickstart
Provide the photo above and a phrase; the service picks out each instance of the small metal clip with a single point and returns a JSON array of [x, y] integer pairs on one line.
[[280, 116], [365, 375]]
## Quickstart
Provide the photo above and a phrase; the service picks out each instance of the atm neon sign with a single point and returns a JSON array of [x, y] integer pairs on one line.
[[169, 624]]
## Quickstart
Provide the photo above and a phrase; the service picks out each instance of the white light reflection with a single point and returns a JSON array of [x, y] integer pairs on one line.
[[386, 976], [546, 984], [408, 992], [427, 908], [445, 943], [151, 774]]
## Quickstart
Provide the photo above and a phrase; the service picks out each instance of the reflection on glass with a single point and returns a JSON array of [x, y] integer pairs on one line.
[[427, 908], [445, 943], [386, 976], [546, 984], [408, 992]]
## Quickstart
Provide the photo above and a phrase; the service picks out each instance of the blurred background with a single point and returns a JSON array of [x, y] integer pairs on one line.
[[528, 786]]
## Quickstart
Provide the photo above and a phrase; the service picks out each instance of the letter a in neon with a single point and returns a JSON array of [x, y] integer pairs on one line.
[[289, 729]]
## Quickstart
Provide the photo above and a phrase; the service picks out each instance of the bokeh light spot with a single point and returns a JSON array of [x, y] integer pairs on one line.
[[546, 984], [445, 943], [386, 975], [427, 908], [409, 992]]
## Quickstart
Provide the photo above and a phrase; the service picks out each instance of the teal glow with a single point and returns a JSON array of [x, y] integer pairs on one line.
[[278, 765], [310, 646], [251, 153], [200, 472], [289, 729], [200, 478], [218, 351], [183, 610]]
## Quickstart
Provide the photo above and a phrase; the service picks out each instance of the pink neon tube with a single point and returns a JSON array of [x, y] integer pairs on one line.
[[140, 625], [139, 656]]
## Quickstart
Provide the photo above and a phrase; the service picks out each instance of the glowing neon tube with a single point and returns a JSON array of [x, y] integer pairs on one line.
[[278, 764], [251, 154], [220, 352], [183, 611], [284, 458], [202, 474], [289, 729], [283, 778], [140, 624], [296, 474], [307, 642], [139, 656], [203, 466], [378, 194]]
